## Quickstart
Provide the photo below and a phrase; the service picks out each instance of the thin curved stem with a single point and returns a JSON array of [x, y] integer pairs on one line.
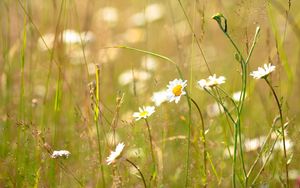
[[138, 169], [261, 151], [282, 131], [203, 140], [195, 36]]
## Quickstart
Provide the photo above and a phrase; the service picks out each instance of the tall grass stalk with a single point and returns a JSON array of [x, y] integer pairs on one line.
[[282, 132], [195, 36], [19, 150], [96, 119], [152, 151]]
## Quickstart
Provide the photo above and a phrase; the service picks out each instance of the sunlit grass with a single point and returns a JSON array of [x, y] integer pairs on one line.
[[149, 93]]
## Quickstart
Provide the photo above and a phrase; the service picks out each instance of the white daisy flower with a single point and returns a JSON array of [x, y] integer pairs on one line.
[[60, 153], [263, 72], [144, 112], [176, 90], [211, 81], [159, 97], [114, 155]]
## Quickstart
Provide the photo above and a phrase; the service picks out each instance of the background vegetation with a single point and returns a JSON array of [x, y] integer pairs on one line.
[[50, 51]]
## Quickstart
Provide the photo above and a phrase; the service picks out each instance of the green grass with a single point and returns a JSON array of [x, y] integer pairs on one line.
[[60, 95]]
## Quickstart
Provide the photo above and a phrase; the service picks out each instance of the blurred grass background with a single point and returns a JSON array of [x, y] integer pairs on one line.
[[49, 53]]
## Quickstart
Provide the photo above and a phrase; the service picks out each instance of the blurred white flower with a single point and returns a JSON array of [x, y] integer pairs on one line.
[[110, 15], [254, 144], [214, 110], [159, 97], [70, 36], [60, 153], [129, 76], [154, 12], [263, 72], [144, 112], [288, 145], [236, 96], [138, 19], [211, 82], [176, 90], [151, 13], [114, 155], [149, 63]]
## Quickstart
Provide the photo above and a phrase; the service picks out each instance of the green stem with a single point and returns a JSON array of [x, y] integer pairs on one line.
[[203, 139], [138, 169], [261, 151], [96, 117], [151, 147], [266, 161], [282, 131]]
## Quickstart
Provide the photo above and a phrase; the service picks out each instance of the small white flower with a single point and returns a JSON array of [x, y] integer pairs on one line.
[[176, 90], [263, 72], [159, 97], [211, 81], [144, 112], [114, 155], [60, 153]]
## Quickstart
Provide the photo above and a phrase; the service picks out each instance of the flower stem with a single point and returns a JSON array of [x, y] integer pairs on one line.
[[151, 146], [138, 169], [282, 131], [203, 140]]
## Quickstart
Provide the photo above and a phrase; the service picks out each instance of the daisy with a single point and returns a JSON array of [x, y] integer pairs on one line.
[[176, 90], [263, 72], [60, 153], [159, 97], [114, 155], [144, 112], [211, 81]]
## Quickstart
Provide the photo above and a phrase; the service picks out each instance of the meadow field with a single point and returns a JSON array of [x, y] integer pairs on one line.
[[149, 93]]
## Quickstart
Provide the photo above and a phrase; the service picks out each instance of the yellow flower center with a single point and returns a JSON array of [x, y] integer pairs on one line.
[[177, 90], [144, 114]]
